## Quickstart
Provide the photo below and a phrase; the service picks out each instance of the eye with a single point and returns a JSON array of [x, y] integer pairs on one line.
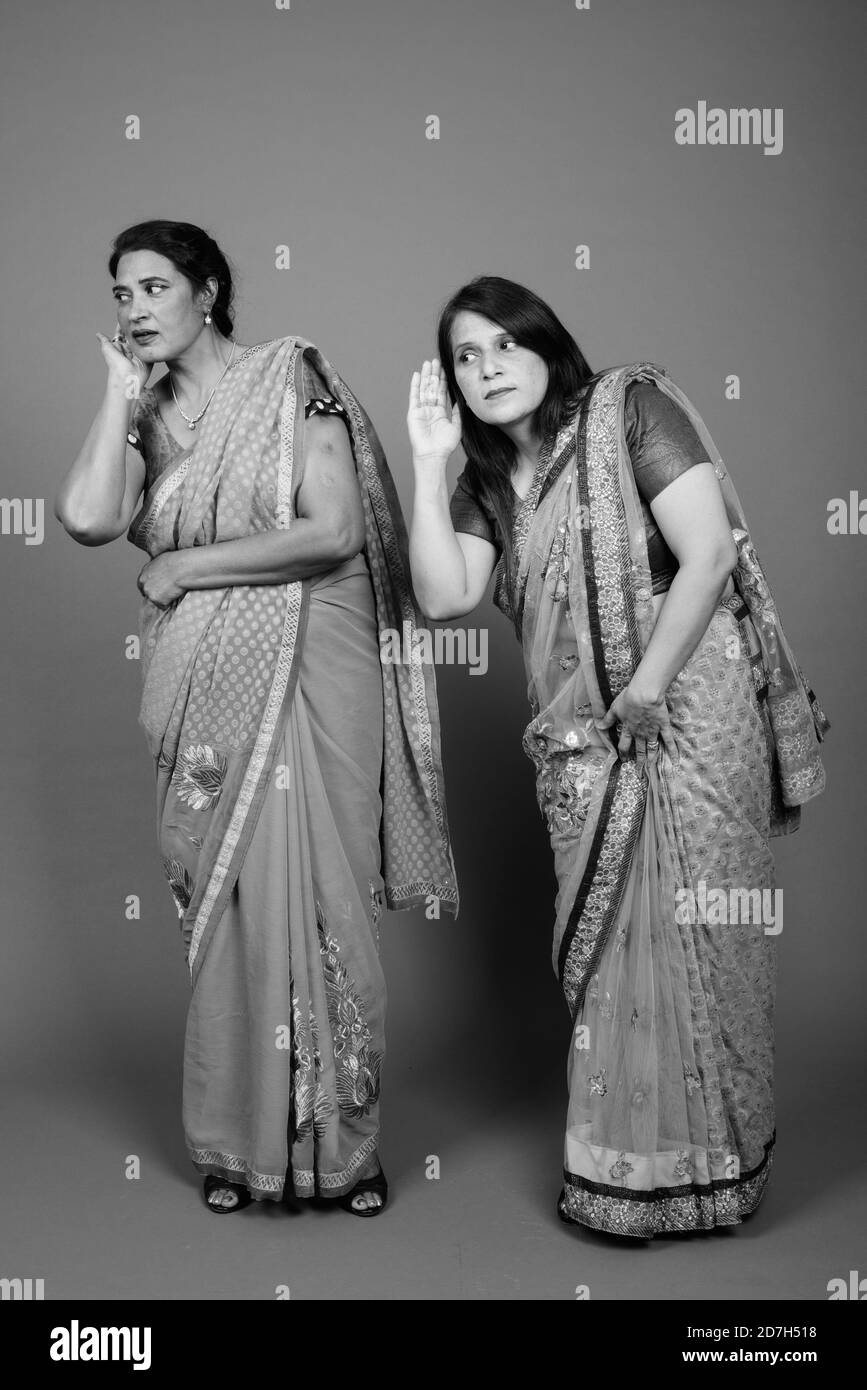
[[157, 289], [503, 341]]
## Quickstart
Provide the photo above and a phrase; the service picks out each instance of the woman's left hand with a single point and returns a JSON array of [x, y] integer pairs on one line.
[[159, 581], [643, 722]]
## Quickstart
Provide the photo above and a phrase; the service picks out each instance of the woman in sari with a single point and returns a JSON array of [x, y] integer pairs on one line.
[[672, 734], [299, 788]]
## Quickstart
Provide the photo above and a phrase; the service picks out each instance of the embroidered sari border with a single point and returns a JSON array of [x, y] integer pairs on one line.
[[607, 561], [165, 487], [593, 623], [245, 812], [642, 1214], [248, 804], [304, 1181], [603, 881], [550, 479], [307, 1183], [590, 869]]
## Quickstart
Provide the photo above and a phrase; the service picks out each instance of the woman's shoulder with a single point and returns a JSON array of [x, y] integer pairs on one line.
[[647, 405], [640, 378], [642, 397], [325, 405], [644, 402]]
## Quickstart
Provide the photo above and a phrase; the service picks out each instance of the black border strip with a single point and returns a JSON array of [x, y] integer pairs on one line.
[[589, 869]]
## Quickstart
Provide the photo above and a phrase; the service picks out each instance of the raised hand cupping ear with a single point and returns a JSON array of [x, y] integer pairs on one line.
[[434, 426]]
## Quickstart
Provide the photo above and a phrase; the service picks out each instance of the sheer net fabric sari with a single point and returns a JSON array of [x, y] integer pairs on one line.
[[671, 1107], [299, 785]]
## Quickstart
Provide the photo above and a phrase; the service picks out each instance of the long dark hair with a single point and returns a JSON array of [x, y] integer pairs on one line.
[[491, 454], [192, 251]]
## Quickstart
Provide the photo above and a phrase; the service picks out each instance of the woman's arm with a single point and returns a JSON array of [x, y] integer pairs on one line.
[[694, 523], [450, 571], [328, 529], [97, 499], [692, 518]]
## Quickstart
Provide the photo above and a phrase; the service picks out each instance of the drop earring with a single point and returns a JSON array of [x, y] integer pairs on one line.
[[208, 317]]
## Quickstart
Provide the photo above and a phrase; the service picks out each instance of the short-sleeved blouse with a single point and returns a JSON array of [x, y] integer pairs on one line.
[[662, 444]]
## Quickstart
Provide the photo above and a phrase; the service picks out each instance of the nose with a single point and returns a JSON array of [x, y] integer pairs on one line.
[[490, 368]]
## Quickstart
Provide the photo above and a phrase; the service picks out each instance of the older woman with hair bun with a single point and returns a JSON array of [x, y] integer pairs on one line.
[[298, 778]]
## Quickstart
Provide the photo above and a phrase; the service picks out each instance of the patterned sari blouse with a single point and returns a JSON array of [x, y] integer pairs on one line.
[[662, 444]]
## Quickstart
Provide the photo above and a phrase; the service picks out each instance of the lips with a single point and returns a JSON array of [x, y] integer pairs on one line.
[[500, 391], [144, 335]]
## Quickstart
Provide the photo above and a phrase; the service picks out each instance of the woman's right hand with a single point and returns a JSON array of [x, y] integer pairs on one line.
[[123, 365], [434, 427]]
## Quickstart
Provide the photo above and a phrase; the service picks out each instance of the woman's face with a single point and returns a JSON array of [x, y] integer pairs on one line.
[[156, 306], [502, 383]]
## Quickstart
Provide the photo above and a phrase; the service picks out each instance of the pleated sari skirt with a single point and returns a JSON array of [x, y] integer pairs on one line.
[[671, 1106], [285, 1032]]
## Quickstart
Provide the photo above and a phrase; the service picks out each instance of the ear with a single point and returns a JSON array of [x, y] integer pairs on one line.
[[208, 296]]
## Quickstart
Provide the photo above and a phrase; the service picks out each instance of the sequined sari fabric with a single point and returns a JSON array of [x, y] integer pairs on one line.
[[671, 1116], [299, 784]]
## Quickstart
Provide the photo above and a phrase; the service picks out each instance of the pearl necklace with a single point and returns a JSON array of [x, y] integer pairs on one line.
[[192, 423]]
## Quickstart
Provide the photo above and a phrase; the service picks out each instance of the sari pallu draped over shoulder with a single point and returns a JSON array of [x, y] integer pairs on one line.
[[220, 665], [671, 1113]]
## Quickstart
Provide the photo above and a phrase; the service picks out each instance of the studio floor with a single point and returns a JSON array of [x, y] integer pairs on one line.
[[485, 1229]]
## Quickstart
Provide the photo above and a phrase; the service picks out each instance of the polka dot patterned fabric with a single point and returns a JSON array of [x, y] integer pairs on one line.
[[218, 664]]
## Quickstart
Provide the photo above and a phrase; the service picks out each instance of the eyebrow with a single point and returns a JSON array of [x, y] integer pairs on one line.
[[143, 281], [504, 333]]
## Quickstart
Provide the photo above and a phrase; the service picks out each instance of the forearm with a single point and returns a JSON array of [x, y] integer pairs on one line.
[[689, 605], [307, 548], [90, 498], [439, 571]]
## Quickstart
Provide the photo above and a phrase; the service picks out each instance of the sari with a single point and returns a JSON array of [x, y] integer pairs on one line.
[[671, 1108], [299, 785]]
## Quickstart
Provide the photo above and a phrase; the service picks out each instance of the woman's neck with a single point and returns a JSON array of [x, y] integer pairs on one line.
[[195, 371], [527, 444]]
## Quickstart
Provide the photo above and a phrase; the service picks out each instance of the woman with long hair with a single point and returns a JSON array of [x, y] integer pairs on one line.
[[299, 788], [672, 734]]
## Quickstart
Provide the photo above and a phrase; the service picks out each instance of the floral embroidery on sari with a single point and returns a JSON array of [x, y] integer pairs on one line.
[[199, 776], [358, 1065], [683, 1165], [180, 883], [660, 1003], [376, 903], [214, 701], [621, 1168], [311, 1104], [556, 572]]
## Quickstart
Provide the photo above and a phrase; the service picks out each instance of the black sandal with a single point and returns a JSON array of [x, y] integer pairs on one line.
[[377, 1184], [213, 1183]]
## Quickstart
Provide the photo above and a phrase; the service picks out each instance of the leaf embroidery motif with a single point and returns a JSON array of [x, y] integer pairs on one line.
[[357, 1065], [180, 882], [199, 776]]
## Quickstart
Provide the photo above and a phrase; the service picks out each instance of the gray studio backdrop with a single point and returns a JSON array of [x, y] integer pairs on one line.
[[308, 127]]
